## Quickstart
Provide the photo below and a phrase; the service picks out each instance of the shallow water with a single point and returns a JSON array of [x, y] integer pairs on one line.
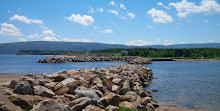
[[193, 84], [18, 64]]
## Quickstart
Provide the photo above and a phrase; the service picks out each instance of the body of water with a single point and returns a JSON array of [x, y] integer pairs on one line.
[[18, 64], [194, 84]]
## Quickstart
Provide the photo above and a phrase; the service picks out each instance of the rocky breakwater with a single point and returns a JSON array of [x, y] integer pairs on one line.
[[67, 59], [85, 89]]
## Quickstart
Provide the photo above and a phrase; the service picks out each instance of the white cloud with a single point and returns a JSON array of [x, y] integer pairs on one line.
[[139, 43], [113, 11], [91, 10], [107, 31], [112, 3], [83, 20], [144, 43], [75, 40], [131, 15], [211, 40], [49, 38], [206, 21], [95, 27], [206, 6], [9, 30], [150, 27], [25, 19], [34, 36], [122, 6], [159, 16], [22, 39], [92, 35], [111, 43], [100, 10], [48, 33], [161, 4]]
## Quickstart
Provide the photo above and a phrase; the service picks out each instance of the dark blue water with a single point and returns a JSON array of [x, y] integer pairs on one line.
[[188, 84], [17, 64]]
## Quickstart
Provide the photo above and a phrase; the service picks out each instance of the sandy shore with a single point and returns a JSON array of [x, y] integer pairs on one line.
[[6, 78]]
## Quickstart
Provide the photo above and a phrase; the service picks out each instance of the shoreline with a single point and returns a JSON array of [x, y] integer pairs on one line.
[[6, 78]]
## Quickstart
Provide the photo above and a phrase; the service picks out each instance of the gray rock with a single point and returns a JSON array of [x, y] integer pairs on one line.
[[80, 103], [43, 91], [116, 89], [85, 92], [23, 87], [50, 105]]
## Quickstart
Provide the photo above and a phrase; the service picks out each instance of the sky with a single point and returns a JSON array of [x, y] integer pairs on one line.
[[129, 22]]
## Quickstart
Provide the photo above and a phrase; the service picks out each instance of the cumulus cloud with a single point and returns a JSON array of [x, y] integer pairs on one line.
[[9, 30], [100, 10], [83, 20], [206, 21], [113, 12], [22, 39], [25, 19], [131, 15], [185, 8], [159, 16], [48, 33], [95, 27], [107, 31], [161, 4], [75, 40], [122, 6], [112, 3], [34, 36], [49, 38], [143, 42]]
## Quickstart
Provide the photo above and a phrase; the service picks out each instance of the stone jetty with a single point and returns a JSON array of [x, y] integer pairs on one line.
[[83, 90], [67, 59]]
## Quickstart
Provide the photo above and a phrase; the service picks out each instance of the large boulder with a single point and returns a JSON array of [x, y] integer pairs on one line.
[[50, 105], [23, 87], [112, 99], [56, 76], [93, 108], [129, 105], [85, 92], [125, 87], [24, 104], [116, 89], [43, 91], [80, 103]]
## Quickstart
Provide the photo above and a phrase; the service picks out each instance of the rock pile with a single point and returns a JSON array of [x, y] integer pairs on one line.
[[66, 59], [85, 89]]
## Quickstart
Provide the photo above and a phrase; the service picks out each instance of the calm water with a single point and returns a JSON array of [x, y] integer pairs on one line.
[[188, 84], [17, 64]]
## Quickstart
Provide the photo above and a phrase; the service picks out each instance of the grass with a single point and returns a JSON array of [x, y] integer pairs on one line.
[[102, 75], [128, 109]]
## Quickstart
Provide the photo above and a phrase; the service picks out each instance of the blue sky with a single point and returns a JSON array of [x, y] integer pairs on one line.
[[130, 22]]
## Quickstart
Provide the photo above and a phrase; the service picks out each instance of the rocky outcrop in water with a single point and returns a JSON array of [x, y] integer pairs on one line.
[[66, 59], [86, 89]]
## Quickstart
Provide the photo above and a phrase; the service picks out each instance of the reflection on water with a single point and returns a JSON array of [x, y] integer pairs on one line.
[[188, 84]]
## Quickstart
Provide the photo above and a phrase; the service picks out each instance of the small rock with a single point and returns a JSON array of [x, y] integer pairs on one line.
[[129, 105], [84, 92], [112, 108]]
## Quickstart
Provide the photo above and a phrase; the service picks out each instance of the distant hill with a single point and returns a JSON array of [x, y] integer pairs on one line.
[[13, 48]]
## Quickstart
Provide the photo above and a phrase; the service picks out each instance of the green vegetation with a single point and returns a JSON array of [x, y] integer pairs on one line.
[[102, 75], [194, 53], [42, 52], [165, 53], [128, 109]]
